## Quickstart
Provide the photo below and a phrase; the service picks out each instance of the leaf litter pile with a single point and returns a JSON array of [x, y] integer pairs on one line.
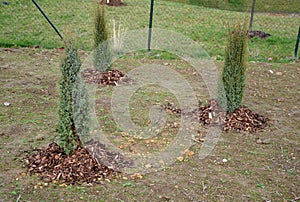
[[53, 165], [259, 34], [242, 119], [113, 3], [109, 78]]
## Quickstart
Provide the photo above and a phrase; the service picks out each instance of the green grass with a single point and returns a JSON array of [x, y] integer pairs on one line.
[[277, 6], [23, 25]]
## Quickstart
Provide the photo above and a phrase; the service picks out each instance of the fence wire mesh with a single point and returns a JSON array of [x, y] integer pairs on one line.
[[203, 21]]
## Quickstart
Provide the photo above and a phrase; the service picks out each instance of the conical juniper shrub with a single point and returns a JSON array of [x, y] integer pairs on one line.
[[81, 110], [233, 74], [102, 46], [70, 67]]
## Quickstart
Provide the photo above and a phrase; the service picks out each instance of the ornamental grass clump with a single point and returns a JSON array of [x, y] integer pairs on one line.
[[233, 74]]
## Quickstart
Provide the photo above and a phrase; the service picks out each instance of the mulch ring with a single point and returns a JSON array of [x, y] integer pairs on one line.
[[53, 165], [113, 3], [259, 34], [109, 78], [242, 119]]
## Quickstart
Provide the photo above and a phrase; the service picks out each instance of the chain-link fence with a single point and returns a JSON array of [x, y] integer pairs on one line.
[[206, 23]]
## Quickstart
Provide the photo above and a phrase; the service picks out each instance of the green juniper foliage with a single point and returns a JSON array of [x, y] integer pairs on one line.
[[233, 74], [68, 138], [102, 52], [81, 110]]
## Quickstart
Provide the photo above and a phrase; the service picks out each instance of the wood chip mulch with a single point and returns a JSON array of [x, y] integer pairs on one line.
[[170, 107], [53, 165], [113, 3], [242, 119], [110, 78], [211, 113], [256, 33]]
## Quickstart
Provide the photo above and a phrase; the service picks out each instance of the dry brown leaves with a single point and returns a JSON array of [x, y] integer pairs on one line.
[[211, 113], [170, 107], [53, 165], [242, 119], [113, 2], [259, 34], [110, 78]]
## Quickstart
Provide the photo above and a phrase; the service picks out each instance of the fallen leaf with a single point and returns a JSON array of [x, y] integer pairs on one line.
[[180, 158]]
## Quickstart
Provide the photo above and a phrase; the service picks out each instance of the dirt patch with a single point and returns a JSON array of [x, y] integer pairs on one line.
[[52, 164]]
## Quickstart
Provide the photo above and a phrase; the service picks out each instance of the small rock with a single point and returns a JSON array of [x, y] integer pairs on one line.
[[266, 141], [279, 73], [6, 104], [224, 160], [259, 141], [271, 71]]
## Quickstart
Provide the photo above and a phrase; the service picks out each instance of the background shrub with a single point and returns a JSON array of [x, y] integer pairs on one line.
[[102, 47]]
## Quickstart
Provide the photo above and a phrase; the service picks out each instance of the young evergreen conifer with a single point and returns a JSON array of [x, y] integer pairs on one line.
[[70, 67], [102, 47], [233, 74]]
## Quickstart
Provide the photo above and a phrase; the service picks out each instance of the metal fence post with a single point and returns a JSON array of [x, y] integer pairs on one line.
[[297, 45], [150, 25], [48, 20]]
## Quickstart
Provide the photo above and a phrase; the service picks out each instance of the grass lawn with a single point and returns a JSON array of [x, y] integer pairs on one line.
[[273, 6], [23, 25]]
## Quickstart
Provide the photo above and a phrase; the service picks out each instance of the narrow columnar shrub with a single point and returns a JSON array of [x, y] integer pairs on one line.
[[102, 49], [81, 110], [233, 73], [70, 67]]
